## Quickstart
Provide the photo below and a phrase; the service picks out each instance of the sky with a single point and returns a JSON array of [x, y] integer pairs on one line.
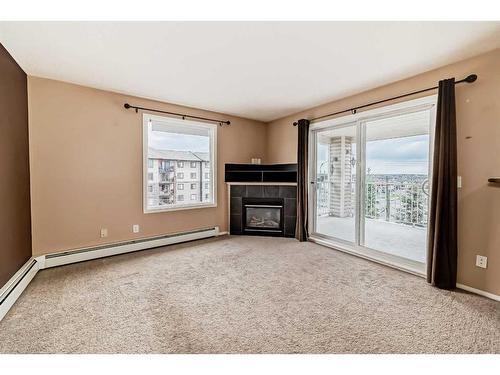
[[180, 142], [409, 155]]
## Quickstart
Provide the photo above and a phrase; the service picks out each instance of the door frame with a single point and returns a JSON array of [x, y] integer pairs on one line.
[[359, 120]]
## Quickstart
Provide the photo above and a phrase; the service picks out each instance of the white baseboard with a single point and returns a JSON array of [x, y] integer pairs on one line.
[[11, 291], [479, 291]]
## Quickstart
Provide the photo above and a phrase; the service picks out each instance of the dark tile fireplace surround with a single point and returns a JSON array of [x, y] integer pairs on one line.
[[258, 207]]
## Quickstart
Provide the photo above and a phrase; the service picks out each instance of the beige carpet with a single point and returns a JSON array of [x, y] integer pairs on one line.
[[244, 295]]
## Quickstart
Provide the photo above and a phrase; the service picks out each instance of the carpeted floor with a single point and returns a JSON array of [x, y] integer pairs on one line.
[[244, 295]]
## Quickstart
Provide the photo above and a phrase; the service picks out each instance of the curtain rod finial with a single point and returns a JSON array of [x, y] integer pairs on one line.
[[295, 123], [471, 78], [126, 105]]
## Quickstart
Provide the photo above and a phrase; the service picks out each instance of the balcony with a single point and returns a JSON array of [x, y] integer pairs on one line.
[[166, 170], [395, 217]]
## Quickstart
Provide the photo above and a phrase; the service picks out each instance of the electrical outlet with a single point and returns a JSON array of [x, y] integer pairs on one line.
[[135, 228], [481, 261], [104, 232]]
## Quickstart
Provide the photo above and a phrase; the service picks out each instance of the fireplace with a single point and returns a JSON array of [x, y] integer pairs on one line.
[[263, 216], [262, 199]]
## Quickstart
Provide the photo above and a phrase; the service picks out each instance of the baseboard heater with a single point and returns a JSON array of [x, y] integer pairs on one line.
[[11, 291], [80, 255]]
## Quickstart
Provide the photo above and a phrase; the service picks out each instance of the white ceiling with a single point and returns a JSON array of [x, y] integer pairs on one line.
[[258, 70]]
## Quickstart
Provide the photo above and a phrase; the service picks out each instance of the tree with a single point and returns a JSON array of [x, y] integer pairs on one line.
[[413, 206]]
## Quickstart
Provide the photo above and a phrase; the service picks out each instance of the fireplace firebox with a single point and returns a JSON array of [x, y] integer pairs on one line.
[[263, 216]]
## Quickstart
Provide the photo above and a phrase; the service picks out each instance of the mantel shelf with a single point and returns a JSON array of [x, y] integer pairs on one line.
[[495, 180]]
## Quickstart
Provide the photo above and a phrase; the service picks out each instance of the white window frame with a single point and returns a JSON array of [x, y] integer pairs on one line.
[[147, 117]]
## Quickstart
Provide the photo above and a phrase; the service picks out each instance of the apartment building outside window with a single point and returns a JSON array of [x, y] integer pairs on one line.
[[174, 148]]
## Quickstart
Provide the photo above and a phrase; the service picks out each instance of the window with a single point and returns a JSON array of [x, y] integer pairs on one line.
[[176, 141], [150, 163]]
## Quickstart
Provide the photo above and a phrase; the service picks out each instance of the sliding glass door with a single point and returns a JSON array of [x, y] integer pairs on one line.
[[336, 182], [370, 182]]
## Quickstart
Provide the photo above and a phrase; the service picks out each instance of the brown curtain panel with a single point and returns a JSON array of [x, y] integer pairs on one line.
[[301, 232], [442, 242]]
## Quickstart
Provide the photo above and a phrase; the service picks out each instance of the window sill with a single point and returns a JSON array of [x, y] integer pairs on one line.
[[180, 208]]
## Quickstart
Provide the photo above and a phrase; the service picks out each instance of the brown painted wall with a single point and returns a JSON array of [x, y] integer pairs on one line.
[[86, 167], [15, 225], [478, 117]]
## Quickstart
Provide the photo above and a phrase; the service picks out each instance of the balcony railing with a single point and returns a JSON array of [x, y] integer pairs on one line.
[[397, 202], [166, 170]]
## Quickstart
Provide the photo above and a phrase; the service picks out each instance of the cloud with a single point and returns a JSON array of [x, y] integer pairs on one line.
[[180, 142]]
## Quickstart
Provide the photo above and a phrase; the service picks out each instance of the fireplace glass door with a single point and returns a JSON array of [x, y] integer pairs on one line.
[[263, 217]]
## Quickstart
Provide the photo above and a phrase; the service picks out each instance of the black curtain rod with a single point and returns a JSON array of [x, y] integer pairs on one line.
[[469, 79], [183, 116]]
